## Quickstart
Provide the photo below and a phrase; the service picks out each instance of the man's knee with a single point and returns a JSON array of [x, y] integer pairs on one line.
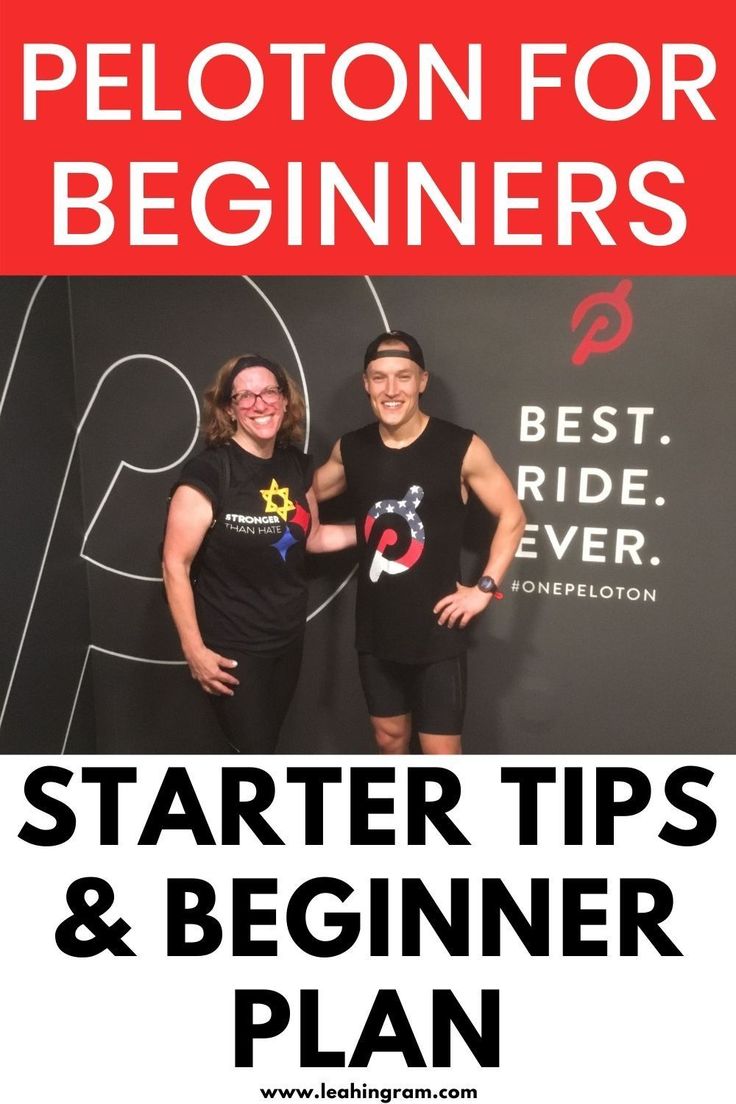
[[392, 734], [440, 745]]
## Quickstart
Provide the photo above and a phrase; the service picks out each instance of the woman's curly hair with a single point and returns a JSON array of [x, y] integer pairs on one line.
[[218, 424]]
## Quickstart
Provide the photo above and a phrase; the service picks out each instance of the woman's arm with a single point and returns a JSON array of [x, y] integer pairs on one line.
[[327, 538], [190, 516]]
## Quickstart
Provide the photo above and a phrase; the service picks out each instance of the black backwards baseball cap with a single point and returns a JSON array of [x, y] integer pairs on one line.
[[413, 349], [255, 360]]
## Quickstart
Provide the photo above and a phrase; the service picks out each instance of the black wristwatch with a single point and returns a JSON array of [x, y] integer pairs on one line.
[[487, 584]]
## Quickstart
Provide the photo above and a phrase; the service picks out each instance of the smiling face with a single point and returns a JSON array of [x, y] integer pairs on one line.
[[393, 385], [258, 419]]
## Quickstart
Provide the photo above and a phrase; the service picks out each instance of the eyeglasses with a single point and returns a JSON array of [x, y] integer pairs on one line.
[[246, 399]]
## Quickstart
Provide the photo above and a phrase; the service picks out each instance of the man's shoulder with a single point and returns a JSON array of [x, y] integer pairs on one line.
[[451, 431], [443, 423], [365, 431]]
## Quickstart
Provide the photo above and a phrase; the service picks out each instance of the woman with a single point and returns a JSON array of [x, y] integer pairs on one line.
[[245, 509]]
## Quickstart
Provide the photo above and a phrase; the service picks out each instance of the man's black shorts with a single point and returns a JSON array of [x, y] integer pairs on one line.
[[434, 693]]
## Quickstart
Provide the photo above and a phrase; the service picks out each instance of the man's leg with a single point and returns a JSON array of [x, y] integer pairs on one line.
[[439, 706], [388, 689], [432, 744]]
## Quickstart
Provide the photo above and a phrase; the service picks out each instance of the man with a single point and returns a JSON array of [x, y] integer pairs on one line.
[[408, 476]]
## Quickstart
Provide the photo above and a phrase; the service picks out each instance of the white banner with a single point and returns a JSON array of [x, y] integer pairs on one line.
[[500, 929]]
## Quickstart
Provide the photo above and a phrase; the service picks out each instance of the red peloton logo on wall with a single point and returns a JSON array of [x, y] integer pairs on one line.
[[594, 339]]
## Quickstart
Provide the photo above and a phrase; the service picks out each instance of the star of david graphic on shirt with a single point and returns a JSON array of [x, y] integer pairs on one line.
[[277, 501], [406, 509], [272, 496]]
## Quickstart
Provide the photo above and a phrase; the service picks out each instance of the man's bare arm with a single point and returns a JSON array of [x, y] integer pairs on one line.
[[488, 481], [327, 538], [329, 480]]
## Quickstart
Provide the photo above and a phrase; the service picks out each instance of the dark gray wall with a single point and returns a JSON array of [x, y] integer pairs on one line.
[[45, 599], [99, 378]]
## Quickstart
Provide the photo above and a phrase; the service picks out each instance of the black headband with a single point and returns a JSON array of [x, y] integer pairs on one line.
[[413, 350], [254, 360], [393, 353]]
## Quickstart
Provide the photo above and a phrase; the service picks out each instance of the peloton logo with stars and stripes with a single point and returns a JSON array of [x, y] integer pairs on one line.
[[405, 508]]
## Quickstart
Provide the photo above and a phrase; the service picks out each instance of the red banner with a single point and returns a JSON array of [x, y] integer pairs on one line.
[[387, 139]]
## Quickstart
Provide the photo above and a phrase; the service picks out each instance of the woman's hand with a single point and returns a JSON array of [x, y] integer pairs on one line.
[[210, 670]]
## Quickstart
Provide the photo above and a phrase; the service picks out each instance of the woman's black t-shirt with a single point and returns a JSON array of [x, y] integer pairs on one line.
[[251, 589]]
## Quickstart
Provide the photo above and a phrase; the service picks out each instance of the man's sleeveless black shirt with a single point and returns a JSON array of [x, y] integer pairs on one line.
[[409, 517]]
